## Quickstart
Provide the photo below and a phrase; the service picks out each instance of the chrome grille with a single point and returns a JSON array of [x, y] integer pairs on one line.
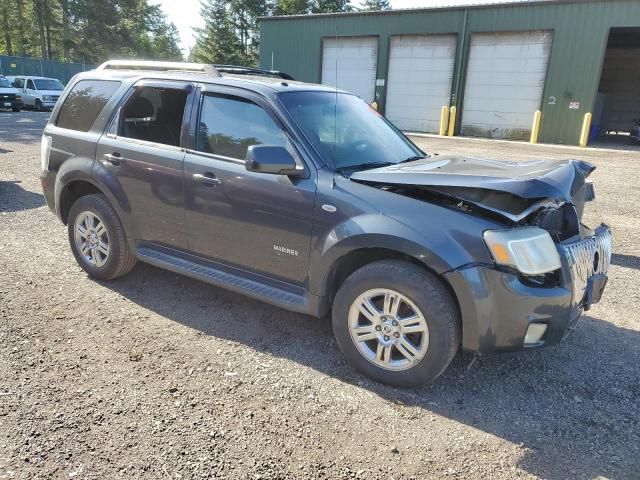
[[586, 257]]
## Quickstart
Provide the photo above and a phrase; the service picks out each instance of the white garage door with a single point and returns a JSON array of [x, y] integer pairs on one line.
[[356, 60], [505, 83], [419, 81]]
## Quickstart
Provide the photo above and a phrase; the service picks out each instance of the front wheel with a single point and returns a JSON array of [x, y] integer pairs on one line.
[[16, 109], [396, 323], [39, 106], [97, 238]]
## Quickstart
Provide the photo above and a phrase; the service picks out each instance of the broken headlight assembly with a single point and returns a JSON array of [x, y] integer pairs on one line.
[[530, 250]]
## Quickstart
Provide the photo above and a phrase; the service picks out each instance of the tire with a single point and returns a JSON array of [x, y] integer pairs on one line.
[[39, 106], [107, 263], [16, 109], [417, 289]]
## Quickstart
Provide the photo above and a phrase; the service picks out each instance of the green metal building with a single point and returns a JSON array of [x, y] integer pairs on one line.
[[497, 64]]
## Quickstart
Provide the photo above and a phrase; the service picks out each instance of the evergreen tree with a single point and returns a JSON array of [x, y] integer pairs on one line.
[[292, 7], [217, 41], [375, 5], [332, 6], [88, 31]]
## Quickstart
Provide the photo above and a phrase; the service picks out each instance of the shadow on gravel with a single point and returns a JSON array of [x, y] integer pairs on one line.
[[14, 198], [22, 127], [628, 261], [573, 409]]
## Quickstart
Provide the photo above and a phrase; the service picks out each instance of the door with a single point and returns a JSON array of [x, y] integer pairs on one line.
[[505, 83], [419, 80], [143, 153], [349, 63], [29, 92], [254, 221]]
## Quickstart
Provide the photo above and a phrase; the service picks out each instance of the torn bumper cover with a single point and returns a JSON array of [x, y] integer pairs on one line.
[[498, 307]]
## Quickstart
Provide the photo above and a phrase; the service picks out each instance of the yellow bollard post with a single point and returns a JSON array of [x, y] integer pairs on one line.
[[535, 129], [452, 121], [444, 116], [586, 125]]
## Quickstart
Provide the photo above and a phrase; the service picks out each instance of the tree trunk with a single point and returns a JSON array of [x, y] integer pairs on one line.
[[37, 5], [46, 14], [5, 27], [65, 28], [20, 26]]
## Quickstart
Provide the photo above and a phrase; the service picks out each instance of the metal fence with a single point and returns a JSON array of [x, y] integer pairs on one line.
[[40, 67]]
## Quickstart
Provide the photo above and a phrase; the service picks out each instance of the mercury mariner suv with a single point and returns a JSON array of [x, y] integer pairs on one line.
[[306, 198]]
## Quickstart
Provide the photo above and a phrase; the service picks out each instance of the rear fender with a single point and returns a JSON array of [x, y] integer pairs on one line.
[[82, 169]]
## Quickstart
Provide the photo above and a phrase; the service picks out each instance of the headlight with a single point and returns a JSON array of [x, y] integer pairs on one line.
[[530, 250], [46, 98]]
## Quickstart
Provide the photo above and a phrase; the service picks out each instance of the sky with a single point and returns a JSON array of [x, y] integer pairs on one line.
[[186, 13]]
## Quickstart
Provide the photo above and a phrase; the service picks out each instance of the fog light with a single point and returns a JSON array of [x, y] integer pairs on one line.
[[534, 333]]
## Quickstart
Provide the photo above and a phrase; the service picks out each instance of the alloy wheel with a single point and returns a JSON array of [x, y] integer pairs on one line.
[[92, 239], [388, 329]]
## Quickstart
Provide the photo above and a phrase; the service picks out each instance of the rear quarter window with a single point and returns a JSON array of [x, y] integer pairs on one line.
[[84, 103]]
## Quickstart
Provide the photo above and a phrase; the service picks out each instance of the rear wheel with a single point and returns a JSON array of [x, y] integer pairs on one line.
[[396, 323], [97, 238]]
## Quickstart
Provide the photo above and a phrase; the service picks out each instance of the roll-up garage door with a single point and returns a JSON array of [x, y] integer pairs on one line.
[[356, 60], [419, 80], [505, 83]]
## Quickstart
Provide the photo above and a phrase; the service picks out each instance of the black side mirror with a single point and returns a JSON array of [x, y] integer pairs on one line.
[[272, 159]]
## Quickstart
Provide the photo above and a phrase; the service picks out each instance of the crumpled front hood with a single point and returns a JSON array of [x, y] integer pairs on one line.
[[549, 179]]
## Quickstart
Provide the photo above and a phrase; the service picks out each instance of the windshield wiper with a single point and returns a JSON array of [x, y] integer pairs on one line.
[[361, 166], [413, 158]]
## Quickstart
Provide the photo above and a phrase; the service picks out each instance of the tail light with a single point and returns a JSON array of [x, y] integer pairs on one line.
[[45, 150]]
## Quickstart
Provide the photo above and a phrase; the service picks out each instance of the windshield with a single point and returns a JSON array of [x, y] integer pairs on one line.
[[48, 84], [4, 83], [346, 131]]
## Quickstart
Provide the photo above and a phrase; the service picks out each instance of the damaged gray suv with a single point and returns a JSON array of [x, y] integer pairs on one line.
[[304, 197]]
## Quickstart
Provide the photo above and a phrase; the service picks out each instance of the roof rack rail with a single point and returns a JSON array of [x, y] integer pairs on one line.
[[241, 70], [159, 66]]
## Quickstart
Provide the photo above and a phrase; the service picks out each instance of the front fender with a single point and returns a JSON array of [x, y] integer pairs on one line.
[[440, 252]]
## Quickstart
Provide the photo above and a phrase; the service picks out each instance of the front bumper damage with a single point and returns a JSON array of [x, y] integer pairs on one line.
[[497, 307]]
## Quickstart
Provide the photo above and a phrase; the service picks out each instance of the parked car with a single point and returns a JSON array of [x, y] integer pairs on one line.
[[9, 96], [40, 93], [304, 197]]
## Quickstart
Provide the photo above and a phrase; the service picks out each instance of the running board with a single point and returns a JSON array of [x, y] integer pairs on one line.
[[219, 277]]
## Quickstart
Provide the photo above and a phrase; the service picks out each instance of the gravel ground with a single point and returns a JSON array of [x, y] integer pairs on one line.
[[159, 376]]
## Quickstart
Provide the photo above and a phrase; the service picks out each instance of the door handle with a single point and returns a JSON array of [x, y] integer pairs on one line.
[[114, 159], [209, 179]]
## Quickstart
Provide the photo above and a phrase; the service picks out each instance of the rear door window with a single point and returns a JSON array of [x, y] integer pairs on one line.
[[154, 114], [84, 103]]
